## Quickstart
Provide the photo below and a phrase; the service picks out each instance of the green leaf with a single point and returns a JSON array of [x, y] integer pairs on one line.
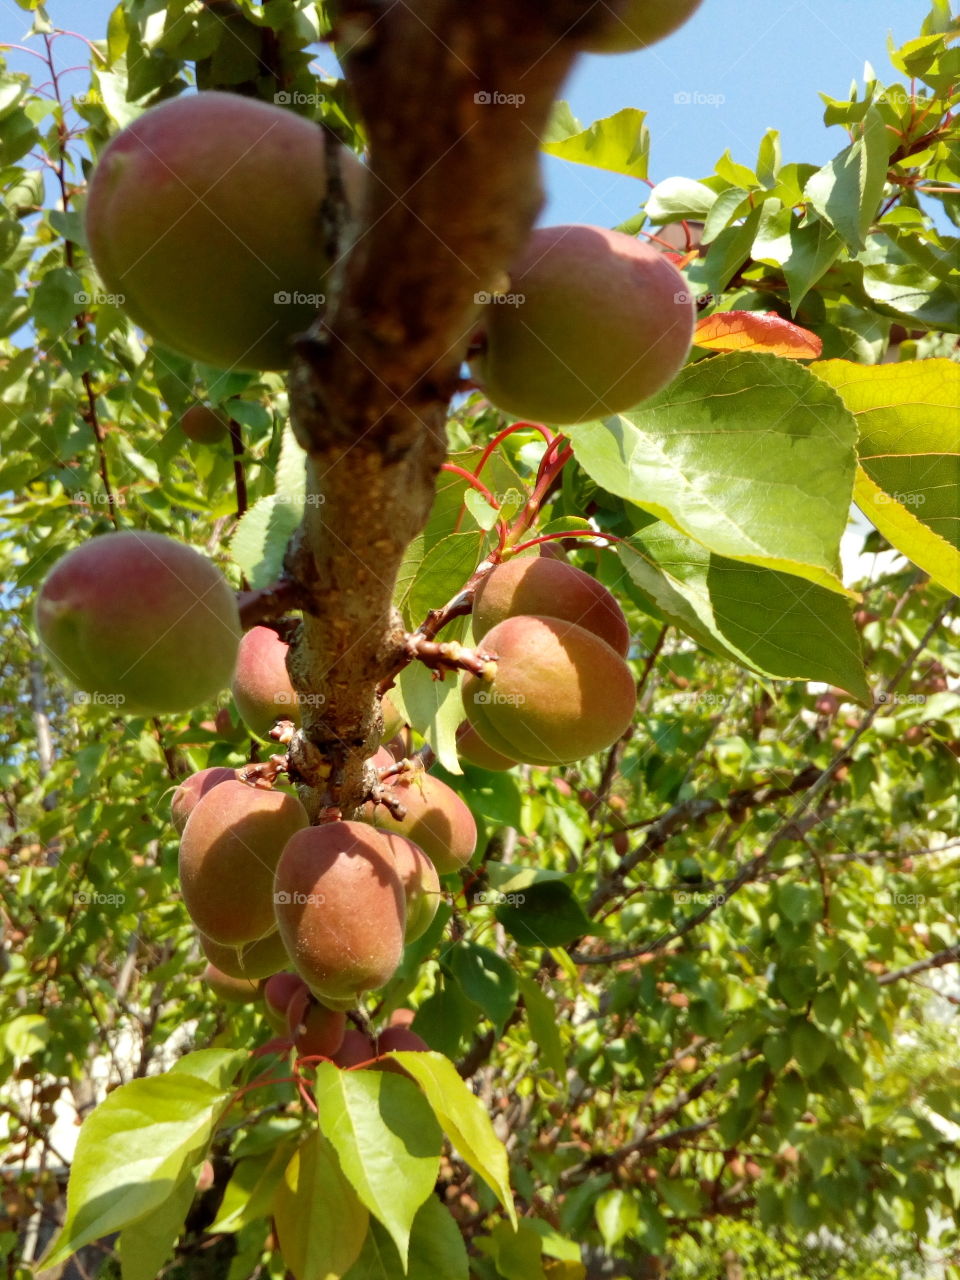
[[386, 1139], [321, 1223], [617, 1216], [486, 979], [743, 454], [803, 253], [252, 1186], [218, 1067], [434, 708], [463, 1118], [147, 1245], [445, 570], [847, 191], [547, 914], [542, 1020], [774, 623], [677, 198], [619, 143], [809, 1046], [517, 1253], [437, 1251], [260, 539], [26, 1035], [132, 1153], [908, 484]]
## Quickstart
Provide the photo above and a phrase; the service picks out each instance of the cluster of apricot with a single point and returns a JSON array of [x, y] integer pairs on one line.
[[205, 217]]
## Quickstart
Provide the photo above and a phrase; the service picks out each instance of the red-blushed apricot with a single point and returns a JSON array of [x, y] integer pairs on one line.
[[228, 855], [401, 1017], [316, 1030], [140, 622], [421, 884], [203, 216], [472, 748], [559, 693], [227, 988], [356, 1049], [549, 589], [601, 322], [185, 797], [340, 908], [203, 425], [278, 992], [261, 686], [401, 1039], [436, 819], [640, 23], [382, 758], [260, 959]]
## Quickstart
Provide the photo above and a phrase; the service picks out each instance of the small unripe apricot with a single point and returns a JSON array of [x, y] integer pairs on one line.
[[191, 790], [559, 692], [140, 620], [604, 322], [278, 992], [340, 908], [260, 959], [227, 988], [640, 23], [400, 1039], [316, 1030], [436, 819], [421, 884], [472, 748], [228, 854], [203, 425], [205, 215], [261, 686], [356, 1049], [549, 589]]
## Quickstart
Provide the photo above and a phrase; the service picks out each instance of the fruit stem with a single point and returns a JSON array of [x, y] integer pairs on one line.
[[573, 533], [551, 465], [508, 431], [472, 480]]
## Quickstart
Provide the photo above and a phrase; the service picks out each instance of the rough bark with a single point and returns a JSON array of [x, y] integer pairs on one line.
[[454, 98]]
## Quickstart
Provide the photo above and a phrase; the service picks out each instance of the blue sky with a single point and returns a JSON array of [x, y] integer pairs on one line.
[[747, 65]]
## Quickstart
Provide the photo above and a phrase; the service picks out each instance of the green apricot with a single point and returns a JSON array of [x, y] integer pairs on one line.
[[228, 854], [261, 685], [203, 425], [639, 24], [236, 990], [472, 748], [421, 884], [559, 692], [341, 910], [259, 959], [140, 621], [594, 323], [191, 790], [436, 819], [551, 589], [205, 216]]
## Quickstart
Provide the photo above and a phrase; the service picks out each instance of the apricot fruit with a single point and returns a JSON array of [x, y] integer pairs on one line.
[[203, 425], [472, 748], [559, 692], [356, 1049], [278, 991], [316, 1030], [261, 686], [260, 959], [228, 855], [227, 988], [421, 884], [141, 622], [400, 1039], [603, 322], [549, 589], [436, 819], [340, 907], [639, 24], [392, 719], [190, 791], [205, 215]]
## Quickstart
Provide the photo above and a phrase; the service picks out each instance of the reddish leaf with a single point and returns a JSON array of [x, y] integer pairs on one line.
[[757, 331]]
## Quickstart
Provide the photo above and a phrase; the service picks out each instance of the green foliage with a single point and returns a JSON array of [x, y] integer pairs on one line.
[[703, 1019]]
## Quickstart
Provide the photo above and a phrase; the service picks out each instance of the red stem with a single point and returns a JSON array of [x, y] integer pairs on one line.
[[508, 431], [472, 480], [574, 533]]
